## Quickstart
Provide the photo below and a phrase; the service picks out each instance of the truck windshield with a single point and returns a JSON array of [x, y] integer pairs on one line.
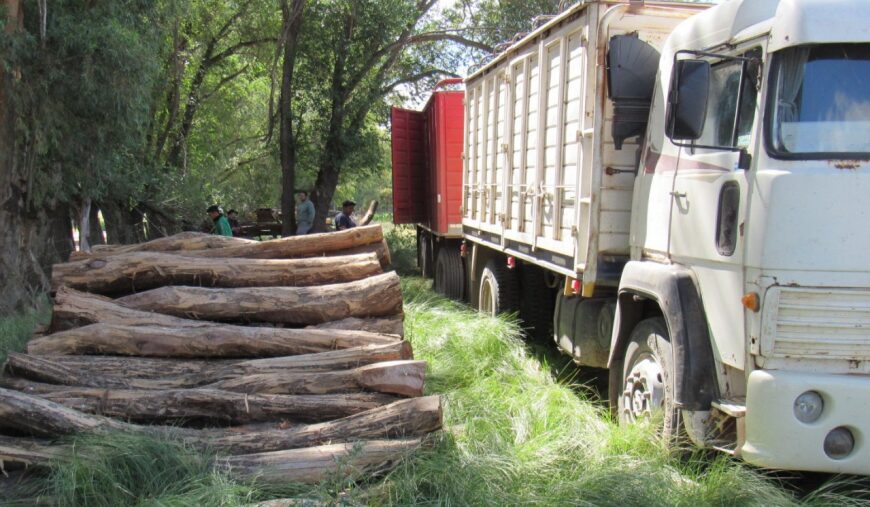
[[821, 105]]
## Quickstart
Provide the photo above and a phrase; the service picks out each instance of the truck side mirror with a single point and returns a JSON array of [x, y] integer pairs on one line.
[[687, 102]]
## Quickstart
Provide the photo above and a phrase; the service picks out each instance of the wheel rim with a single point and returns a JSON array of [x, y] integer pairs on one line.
[[644, 391], [487, 297]]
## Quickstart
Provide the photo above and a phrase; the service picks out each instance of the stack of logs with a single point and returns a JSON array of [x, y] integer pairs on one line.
[[285, 358]]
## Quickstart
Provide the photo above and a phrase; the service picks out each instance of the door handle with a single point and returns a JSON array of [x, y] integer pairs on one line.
[[679, 195]]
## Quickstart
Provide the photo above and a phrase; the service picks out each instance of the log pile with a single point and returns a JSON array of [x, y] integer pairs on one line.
[[285, 357]]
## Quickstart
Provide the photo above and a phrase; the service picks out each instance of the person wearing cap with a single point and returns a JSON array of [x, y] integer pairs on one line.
[[221, 224], [344, 220]]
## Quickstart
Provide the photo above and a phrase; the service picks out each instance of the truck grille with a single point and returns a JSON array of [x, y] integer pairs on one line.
[[817, 324]]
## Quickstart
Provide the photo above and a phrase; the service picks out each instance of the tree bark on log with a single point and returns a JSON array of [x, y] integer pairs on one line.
[[314, 464], [376, 296], [29, 452], [404, 378], [212, 405], [388, 325], [143, 373], [196, 342], [370, 213], [74, 308], [41, 417], [309, 245], [183, 241], [137, 271]]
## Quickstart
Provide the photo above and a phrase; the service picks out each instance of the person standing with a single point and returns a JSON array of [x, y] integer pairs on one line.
[[233, 219], [344, 220], [304, 214], [221, 224]]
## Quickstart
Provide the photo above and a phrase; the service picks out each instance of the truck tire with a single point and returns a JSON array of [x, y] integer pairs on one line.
[[450, 274], [499, 291], [647, 384], [538, 304], [424, 254]]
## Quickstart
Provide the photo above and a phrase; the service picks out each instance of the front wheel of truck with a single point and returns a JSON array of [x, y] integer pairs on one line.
[[647, 388]]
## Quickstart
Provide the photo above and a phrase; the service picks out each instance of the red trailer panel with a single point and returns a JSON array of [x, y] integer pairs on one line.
[[427, 162], [409, 165]]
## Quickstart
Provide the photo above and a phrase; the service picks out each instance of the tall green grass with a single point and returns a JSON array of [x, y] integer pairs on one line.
[[16, 330], [513, 435]]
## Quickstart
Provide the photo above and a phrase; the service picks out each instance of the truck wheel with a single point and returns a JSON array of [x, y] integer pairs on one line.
[[499, 292], [424, 255], [647, 377], [450, 274], [538, 304]]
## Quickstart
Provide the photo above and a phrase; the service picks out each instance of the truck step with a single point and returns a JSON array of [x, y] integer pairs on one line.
[[733, 407]]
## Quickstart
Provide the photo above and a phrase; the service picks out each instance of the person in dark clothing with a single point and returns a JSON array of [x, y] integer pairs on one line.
[[221, 225], [344, 220], [233, 219]]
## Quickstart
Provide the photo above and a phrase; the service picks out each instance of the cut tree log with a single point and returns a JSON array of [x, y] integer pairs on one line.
[[29, 452], [184, 241], [73, 308], [137, 271], [175, 405], [376, 296], [314, 464], [180, 373], [370, 213], [196, 342], [42, 417], [309, 245], [404, 378], [388, 325]]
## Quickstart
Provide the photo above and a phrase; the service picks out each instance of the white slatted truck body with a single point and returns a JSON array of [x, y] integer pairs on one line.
[[680, 194]]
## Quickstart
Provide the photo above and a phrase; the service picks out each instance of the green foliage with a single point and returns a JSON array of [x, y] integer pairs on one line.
[[402, 240]]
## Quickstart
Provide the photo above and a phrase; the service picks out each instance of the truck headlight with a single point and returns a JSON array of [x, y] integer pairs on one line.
[[808, 407], [839, 443]]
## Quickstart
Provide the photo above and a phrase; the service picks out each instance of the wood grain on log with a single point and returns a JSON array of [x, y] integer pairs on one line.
[[184, 241], [118, 371], [73, 308], [175, 405], [209, 342], [404, 378], [314, 464], [387, 325], [309, 245], [41, 417], [376, 296], [137, 271]]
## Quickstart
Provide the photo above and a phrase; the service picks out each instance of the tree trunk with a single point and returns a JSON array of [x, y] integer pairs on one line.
[[85, 226], [96, 229], [41, 417], [203, 405], [376, 296], [181, 242], [74, 308], [315, 464], [389, 325], [301, 246], [292, 26], [29, 452], [404, 378], [205, 342], [137, 271], [370, 214], [127, 372]]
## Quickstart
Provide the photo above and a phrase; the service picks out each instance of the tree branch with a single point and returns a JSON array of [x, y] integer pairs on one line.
[[223, 81]]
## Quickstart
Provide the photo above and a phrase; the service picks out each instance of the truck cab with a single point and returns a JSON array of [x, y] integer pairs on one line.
[[744, 311]]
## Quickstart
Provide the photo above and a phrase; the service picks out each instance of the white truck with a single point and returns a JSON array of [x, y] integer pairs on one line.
[[676, 192]]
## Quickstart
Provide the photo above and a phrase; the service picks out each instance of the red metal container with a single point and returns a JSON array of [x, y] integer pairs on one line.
[[427, 161]]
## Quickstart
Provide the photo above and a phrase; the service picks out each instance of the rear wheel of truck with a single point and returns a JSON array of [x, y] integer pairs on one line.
[[450, 274], [499, 291], [647, 387]]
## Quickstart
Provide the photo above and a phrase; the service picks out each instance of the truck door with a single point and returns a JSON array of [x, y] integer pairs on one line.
[[409, 165], [709, 199]]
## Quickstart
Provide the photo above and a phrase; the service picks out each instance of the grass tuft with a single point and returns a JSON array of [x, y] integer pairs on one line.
[[16, 330]]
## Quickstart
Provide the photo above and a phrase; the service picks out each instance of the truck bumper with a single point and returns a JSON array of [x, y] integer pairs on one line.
[[775, 438]]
